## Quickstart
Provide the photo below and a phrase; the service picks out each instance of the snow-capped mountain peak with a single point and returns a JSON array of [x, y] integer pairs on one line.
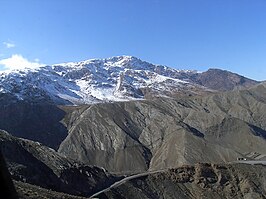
[[113, 79]]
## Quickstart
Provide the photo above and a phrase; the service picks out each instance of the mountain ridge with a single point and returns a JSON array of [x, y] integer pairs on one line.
[[120, 78]]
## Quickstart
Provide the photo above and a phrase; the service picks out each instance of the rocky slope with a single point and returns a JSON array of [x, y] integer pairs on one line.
[[29, 191], [119, 78], [34, 163], [161, 133], [199, 181]]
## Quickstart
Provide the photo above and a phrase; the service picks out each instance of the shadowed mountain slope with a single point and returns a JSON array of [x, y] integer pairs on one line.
[[34, 163], [38, 122]]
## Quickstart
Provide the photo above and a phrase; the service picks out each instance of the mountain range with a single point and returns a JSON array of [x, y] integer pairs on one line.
[[117, 126], [120, 78]]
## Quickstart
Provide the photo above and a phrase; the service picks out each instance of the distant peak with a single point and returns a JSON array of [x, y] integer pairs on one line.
[[122, 58], [217, 69]]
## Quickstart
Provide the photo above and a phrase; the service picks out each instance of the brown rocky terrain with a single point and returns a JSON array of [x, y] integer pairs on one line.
[[196, 182], [167, 132]]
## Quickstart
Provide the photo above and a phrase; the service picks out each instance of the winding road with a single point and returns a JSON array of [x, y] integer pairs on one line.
[[252, 162], [125, 180]]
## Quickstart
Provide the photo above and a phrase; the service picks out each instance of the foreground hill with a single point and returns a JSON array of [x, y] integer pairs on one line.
[[29, 191], [192, 182], [186, 182], [34, 163]]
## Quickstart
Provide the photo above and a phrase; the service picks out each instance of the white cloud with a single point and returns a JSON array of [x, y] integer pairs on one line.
[[9, 44], [17, 61]]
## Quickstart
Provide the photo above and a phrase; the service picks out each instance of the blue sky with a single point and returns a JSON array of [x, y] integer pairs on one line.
[[185, 34]]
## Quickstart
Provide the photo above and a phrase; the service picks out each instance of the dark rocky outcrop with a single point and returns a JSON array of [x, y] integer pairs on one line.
[[7, 187], [34, 163]]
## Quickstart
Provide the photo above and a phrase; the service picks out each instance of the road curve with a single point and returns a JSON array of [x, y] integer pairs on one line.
[[125, 180], [252, 162]]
